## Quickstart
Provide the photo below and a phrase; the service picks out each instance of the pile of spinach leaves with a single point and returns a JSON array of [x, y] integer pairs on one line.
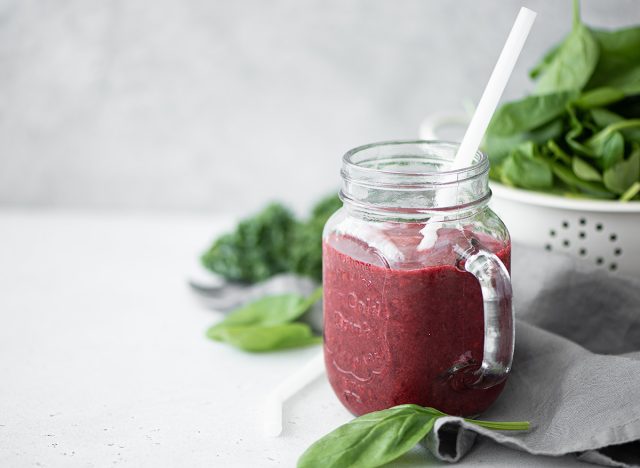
[[578, 134], [271, 242]]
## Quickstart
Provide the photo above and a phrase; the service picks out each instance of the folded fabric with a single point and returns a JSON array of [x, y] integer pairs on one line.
[[576, 369]]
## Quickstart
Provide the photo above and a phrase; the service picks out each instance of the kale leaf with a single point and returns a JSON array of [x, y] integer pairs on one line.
[[272, 242]]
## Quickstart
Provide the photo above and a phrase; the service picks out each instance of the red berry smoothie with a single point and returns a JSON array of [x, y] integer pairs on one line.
[[392, 333]]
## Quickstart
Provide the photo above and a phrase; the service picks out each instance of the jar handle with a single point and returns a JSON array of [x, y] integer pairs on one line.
[[499, 327]]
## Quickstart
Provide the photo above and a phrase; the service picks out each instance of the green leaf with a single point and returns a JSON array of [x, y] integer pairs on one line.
[[306, 248], [585, 170], [607, 146], [545, 61], [593, 189], [572, 65], [264, 325], [619, 63], [622, 175], [604, 118], [265, 338], [257, 249], [371, 440], [575, 133], [524, 169], [599, 97], [558, 152], [381, 437], [271, 310], [528, 113], [631, 192]]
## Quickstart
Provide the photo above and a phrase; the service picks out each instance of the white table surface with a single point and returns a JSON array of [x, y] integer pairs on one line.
[[104, 362]]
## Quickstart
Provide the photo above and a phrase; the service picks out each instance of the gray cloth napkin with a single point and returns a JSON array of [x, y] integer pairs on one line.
[[576, 370]]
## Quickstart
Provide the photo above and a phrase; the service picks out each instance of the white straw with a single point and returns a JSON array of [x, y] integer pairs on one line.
[[495, 87], [292, 385]]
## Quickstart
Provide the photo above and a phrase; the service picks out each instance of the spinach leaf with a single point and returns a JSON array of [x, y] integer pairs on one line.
[[619, 64], [631, 192], [622, 175], [265, 324], [593, 189], [271, 310], [573, 64], [558, 153], [585, 170], [599, 97], [498, 147], [380, 437], [523, 169], [528, 113], [545, 61], [607, 146], [604, 118], [266, 338]]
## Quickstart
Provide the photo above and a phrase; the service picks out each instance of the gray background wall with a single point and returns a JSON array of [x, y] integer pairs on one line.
[[219, 106]]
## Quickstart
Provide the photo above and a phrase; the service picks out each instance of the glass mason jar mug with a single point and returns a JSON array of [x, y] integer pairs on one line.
[[417, 294]]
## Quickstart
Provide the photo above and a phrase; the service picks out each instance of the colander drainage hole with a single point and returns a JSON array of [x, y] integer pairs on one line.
[[582, 234], [599, 227], [617, 252], [548, 247], [613, 267], [599, 260], [583, 252], [613, 237], [565, 224], [565, 242], [583, 221]]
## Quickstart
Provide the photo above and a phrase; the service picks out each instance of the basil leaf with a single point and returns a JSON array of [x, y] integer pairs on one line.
[[528, 113], [622, 175], [573, 64], [584, 170], [523, 169], [380, 437], [265, 338], [371, 440]]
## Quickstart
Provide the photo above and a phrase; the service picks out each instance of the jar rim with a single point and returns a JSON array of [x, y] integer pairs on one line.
[[479, 165], [413, 176]]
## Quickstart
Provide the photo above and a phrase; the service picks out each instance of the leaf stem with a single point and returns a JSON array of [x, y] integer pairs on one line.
[[630, 192], [502, 426], [576, 13]]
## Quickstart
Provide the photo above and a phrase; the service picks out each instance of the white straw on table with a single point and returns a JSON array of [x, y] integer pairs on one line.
[[494, 89], [288, 388]]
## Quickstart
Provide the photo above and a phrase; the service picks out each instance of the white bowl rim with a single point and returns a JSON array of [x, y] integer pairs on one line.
[[556, 201]]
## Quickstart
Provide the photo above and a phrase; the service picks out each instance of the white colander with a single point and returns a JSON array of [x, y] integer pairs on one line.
[[606, 233]]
